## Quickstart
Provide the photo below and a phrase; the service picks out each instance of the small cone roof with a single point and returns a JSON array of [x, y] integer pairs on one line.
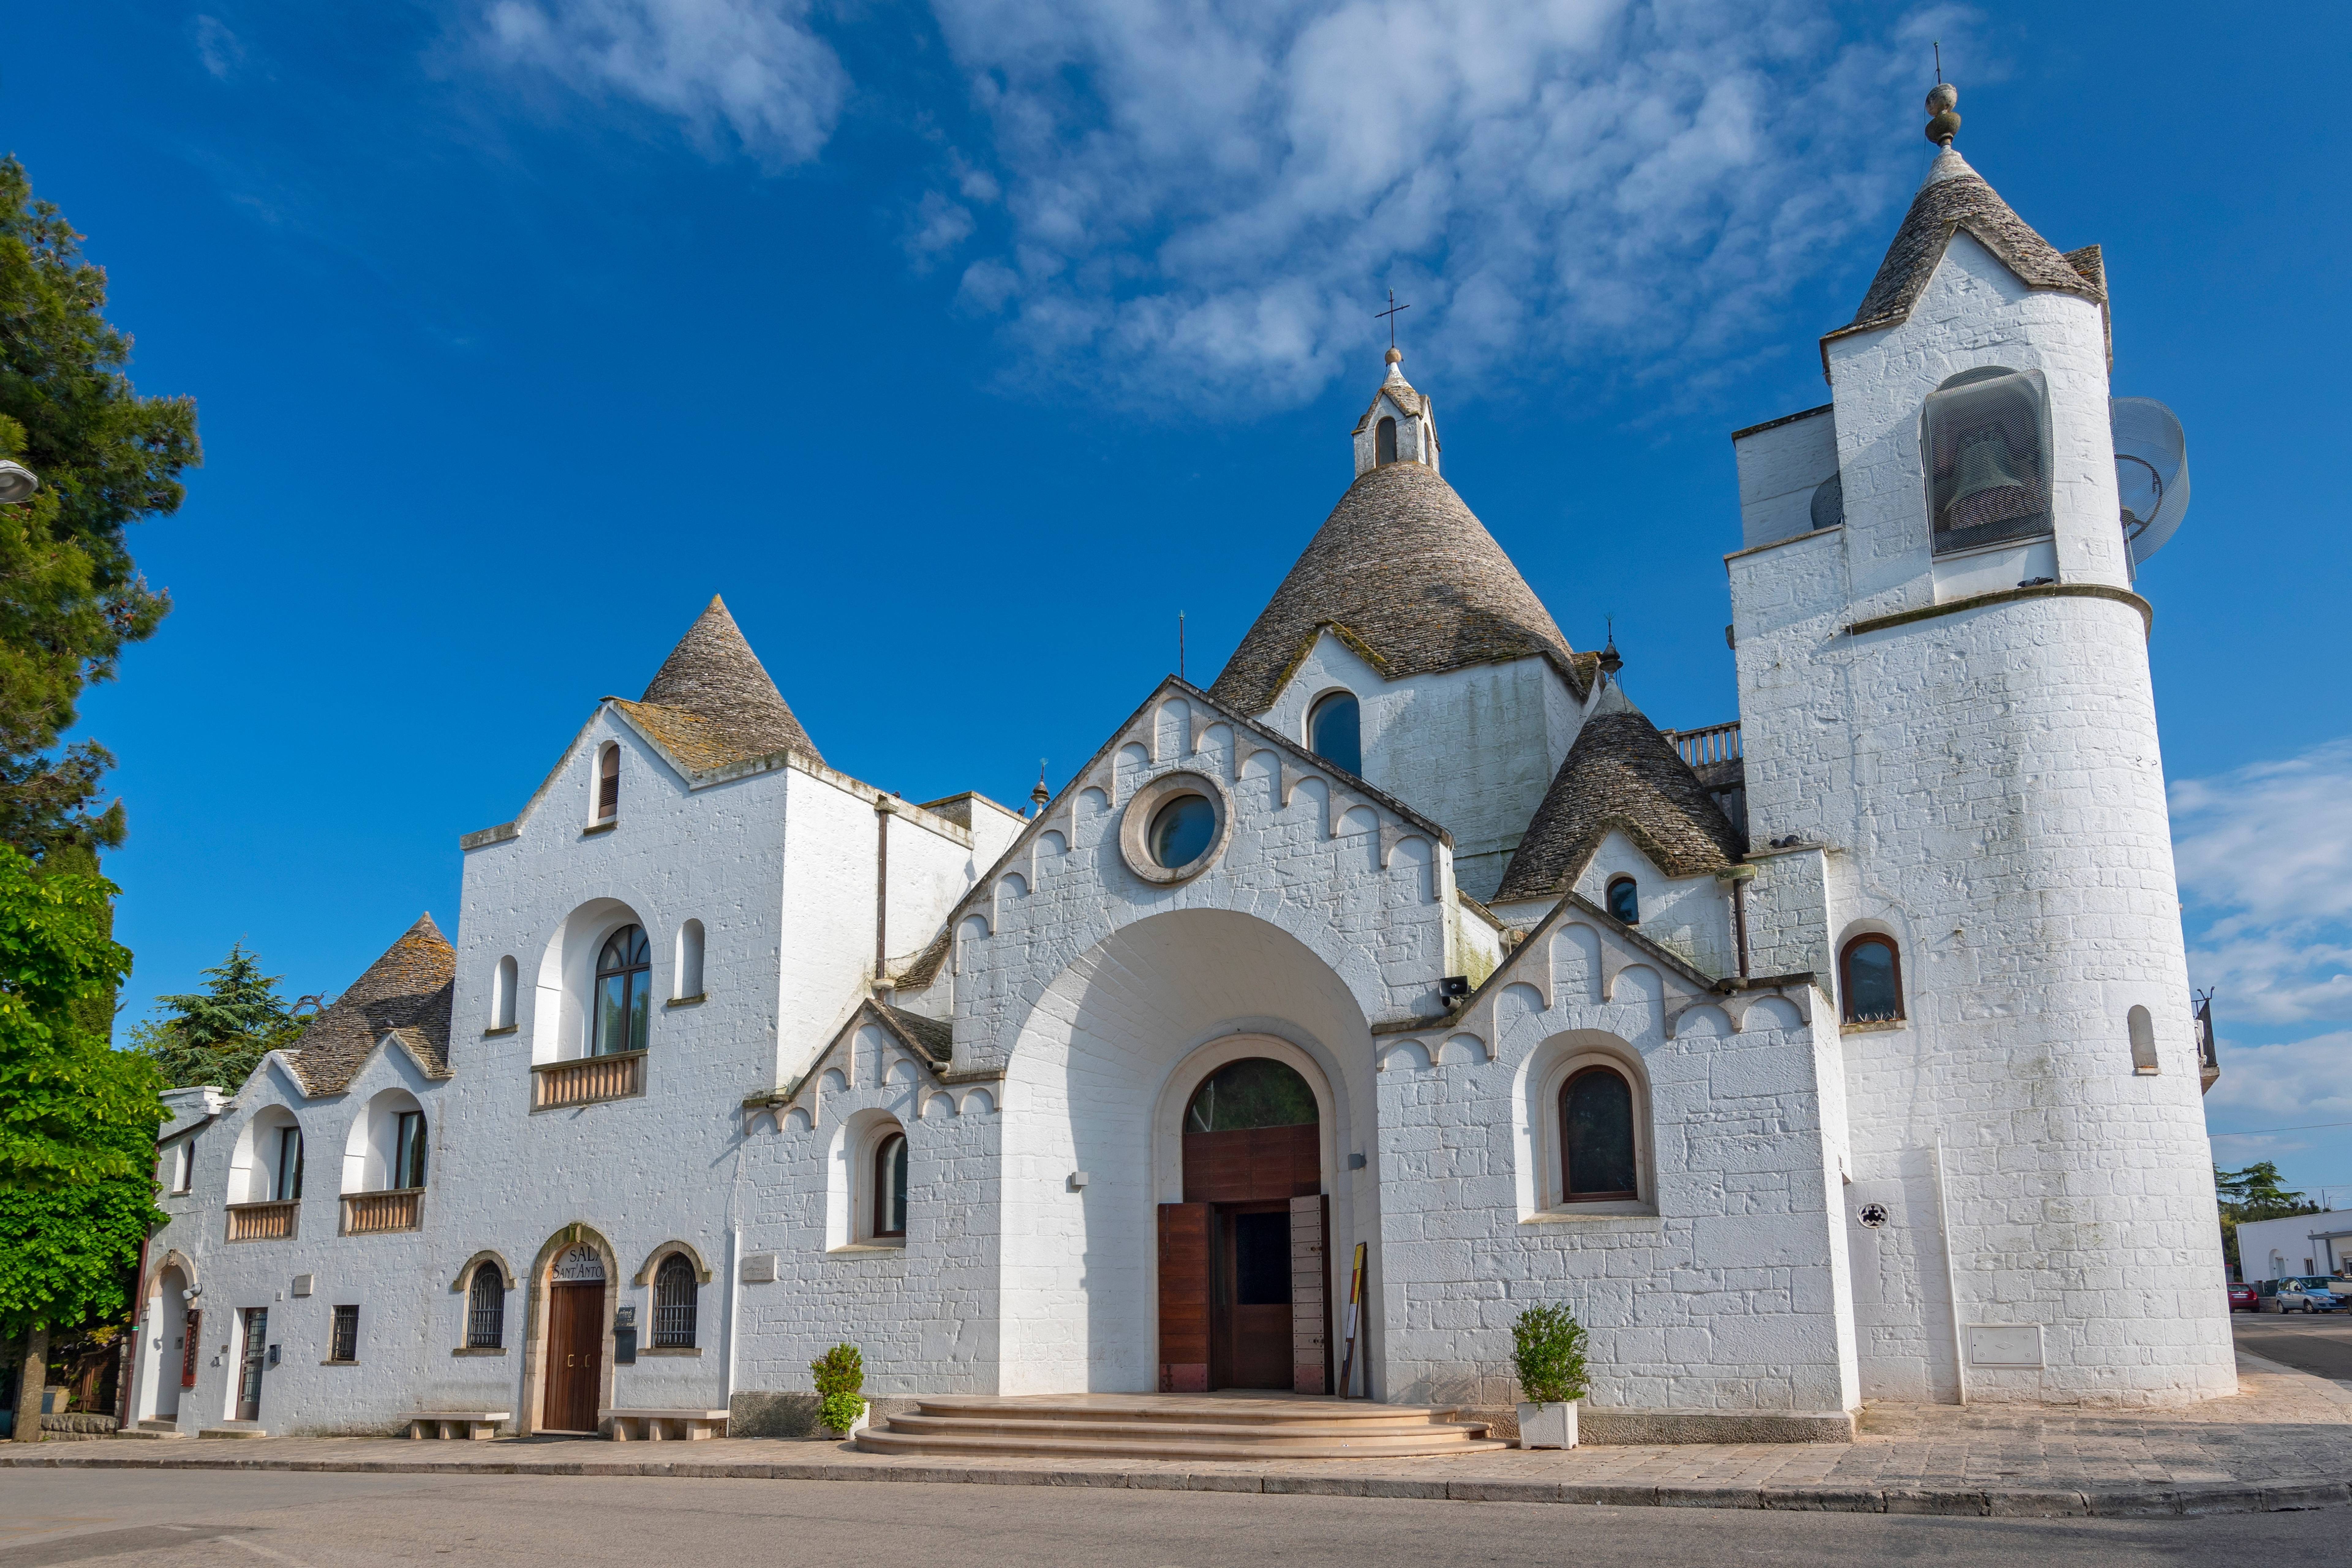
[[732, 706]]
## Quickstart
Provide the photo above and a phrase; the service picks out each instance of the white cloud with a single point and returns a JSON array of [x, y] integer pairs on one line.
[[2265, 857], [219, 51], [753, 67], [1220, 189]]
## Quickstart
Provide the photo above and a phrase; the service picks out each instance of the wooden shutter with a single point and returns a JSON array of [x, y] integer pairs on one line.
[[1310, 1287], [1184, 1298]]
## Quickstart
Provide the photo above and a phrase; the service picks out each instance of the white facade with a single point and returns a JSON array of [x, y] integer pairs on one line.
[[1984, 1195], [2302, 1244]]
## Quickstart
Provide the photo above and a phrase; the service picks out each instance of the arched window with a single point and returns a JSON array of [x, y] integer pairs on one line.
[[502, 993], [1987, 432], [890, 1186], [1625, 900], [689, 961], [1596, 1136], [285, 1173], [485, 1310], [1870, 981], [2142, 1029], [408, 1150], [1384, 441], [608, 783], [674, 1293], [1335, 731], [624, 993], [1256, 1091]]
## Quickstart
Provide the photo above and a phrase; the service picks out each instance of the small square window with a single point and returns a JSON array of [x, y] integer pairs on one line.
[[343, 1340]]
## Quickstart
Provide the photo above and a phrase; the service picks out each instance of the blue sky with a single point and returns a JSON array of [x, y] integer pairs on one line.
[[962, 345]]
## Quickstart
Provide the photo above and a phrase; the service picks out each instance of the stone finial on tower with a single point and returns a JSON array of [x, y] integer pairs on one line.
[[1039, 793], [1944, 121]]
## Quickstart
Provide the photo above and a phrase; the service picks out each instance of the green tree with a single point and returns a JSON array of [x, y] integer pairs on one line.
[[70, 596], [77, 1118], [219, 1035], [2256, 1192]]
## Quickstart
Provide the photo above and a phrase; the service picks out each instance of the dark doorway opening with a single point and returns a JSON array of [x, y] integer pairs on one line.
[[1242, 1286], [254, 1353]]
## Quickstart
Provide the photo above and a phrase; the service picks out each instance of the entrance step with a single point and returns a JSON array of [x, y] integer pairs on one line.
[[235, 1429], [1175, 1427]]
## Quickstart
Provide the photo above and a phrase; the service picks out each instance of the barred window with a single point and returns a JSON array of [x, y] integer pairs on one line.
[[343, 1340], [485, 1311], [674, 1303]]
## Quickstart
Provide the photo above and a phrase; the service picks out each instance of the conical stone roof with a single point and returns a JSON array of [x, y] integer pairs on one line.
[[712, 703], [1622, 774], [1409, 576], [1955, 198], [405, 993]]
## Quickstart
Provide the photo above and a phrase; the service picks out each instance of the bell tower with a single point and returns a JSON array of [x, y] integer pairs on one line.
[[1953, 771], [1401, 425]]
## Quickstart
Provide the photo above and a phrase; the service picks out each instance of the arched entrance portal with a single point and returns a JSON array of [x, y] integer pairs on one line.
[[1242, 1280]]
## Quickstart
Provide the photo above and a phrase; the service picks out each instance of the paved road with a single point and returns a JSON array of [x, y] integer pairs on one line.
[[2317, 1343], [255, 1519]]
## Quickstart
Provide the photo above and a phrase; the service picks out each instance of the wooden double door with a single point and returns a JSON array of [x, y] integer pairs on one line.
[[576, 1356], [1244, 1265]]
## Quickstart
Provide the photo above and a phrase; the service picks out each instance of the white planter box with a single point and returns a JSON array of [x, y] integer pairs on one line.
[[1548, 1425]]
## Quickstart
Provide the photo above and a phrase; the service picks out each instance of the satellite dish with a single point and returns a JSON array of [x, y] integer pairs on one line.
[[2151, 472]]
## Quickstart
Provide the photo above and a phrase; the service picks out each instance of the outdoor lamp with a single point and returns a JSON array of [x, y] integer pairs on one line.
[[17, 483]]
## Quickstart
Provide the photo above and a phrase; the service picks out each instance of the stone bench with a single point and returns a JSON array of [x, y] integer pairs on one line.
[[659, 1425], [478, 1424]]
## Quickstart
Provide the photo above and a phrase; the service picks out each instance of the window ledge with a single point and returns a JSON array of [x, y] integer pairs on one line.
[[697, 1000], [339, 1364], [1877, 1029], [2145, 1072], [857, 1247], [1582, 1212], [593, 829], [509, 1029], [479, 1350], [674, 1350]]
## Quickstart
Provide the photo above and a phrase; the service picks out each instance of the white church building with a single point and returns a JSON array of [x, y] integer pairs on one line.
[[1843, 1053]]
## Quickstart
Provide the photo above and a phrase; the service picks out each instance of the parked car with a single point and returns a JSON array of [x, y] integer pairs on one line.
[[2308, 1293], [2245, 1299]]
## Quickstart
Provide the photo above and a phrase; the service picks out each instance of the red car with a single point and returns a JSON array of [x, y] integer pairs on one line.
[[2242, 1298]]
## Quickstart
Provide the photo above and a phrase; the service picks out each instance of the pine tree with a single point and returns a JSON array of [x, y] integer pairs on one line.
[[70, 596], [219, 1035]]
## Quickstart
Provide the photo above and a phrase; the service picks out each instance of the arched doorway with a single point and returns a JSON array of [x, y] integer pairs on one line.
[[1243, 1275], [575, 1339]]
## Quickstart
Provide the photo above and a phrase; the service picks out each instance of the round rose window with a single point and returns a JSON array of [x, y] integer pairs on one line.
[[1182, 830]]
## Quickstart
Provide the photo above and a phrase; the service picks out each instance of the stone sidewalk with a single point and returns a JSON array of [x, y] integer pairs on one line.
[[2285, 1442]]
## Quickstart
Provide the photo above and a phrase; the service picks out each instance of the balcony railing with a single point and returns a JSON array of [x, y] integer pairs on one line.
[[371, 1214], [262, 1222], [585, 1080], [1715, 743]]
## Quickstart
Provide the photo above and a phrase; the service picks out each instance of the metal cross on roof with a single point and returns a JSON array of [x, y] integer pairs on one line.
[[1390, 313]]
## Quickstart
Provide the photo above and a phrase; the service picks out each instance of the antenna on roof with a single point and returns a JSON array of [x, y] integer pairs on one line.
[[1939, 60], [1179, 645]]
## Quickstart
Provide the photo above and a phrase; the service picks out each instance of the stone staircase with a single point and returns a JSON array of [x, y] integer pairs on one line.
[[1232, 1425]]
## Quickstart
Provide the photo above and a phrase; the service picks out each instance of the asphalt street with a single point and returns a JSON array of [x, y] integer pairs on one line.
[[297, 1519], [2317, 1343]]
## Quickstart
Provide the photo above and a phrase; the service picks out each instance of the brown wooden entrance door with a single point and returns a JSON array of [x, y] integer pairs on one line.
[[575, 1355], [1242, 1298]]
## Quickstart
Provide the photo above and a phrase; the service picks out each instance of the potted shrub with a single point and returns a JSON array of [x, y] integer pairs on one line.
[[1547, 1353], [840, 1375]]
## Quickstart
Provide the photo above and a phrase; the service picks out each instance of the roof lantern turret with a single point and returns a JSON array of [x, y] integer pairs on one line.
[[1400, 426]]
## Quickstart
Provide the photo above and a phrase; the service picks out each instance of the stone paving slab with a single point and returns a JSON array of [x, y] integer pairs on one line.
[[2285, 1442]]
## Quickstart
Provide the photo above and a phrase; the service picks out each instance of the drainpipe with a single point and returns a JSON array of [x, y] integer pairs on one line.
[[1951, 1276], [1739, 877], [883, 811]]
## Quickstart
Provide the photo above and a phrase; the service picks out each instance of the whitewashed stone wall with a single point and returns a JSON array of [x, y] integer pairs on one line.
[[1474, 749], [1988, 791], [1689, 916]]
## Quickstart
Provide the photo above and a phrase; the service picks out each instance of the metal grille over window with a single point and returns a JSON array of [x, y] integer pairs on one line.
[[1987, 433], [485, 1311], [343, 1340], [624, 993], [674, 1303]]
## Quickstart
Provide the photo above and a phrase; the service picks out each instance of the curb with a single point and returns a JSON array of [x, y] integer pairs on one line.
[[1996, 1502]]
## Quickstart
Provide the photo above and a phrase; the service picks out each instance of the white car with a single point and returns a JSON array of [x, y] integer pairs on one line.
[[2311, 1293]]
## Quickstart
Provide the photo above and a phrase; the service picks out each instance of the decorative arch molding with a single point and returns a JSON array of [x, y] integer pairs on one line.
[[1195, 1067], [465, 1279], [645, 1274], [173, 1259]]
